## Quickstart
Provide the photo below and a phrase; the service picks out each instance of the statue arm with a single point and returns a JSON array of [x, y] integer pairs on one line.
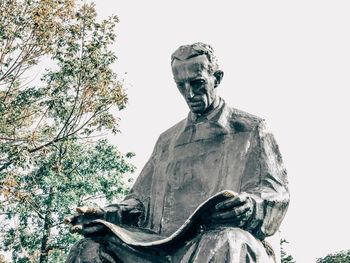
[[133, 209], [265, 182]]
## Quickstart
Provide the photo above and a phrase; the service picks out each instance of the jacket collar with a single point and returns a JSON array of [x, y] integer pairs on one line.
[[211, 116]]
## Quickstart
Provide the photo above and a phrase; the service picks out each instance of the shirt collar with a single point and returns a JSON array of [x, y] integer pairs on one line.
[[211, 116]]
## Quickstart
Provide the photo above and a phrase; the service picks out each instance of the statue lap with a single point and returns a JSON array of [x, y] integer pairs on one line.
[[228, 244]]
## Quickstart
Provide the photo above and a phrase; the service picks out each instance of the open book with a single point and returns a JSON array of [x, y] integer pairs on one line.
[[139, 237]]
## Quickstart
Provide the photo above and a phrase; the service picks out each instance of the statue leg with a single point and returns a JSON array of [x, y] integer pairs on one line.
[[89, 250], [230, 244], [224, 245], [110, 249]]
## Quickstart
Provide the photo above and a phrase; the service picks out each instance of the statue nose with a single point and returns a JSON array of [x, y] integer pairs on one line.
[[189, 91]]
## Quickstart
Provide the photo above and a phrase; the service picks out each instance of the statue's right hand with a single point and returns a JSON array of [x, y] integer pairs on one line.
[[80, 223]]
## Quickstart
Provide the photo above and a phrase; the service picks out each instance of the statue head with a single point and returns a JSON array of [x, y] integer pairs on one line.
[[197, 74]]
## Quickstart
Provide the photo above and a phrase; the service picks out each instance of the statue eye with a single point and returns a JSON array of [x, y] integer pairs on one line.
[[180, 86], [197, 83]]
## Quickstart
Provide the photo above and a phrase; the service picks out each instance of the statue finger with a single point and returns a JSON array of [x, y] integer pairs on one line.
[[97, 211], [76, 229], [69, 220], [239, 210], [234, 201], [231, 214], [73, 220], [223, 215], [232, 219], [244, 218]]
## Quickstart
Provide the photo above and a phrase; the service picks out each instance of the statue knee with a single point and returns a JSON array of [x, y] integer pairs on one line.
[[85, 250], [238, 243], [91, 250]]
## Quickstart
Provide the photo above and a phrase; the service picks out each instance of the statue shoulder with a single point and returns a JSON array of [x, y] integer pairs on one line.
[[242, 121], [169, 134]]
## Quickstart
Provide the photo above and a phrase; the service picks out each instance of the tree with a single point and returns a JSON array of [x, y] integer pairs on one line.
[[75, 174], [77, 97], [338, 257], [28, 31], [50, 158], [285, 257]]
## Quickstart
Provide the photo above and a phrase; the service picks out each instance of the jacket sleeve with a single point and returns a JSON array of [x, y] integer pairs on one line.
[[134, 209], [265, 181]]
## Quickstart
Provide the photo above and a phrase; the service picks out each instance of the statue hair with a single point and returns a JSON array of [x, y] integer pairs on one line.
[[189, 51]]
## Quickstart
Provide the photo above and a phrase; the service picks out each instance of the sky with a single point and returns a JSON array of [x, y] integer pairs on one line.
[[285, 61]]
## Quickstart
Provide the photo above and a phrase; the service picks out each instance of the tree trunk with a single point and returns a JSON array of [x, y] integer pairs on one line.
[[44, 252]]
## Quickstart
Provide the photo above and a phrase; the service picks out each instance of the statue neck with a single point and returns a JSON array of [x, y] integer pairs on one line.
[[211, 108]]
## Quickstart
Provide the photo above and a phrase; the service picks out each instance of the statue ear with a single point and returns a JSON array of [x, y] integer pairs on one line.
[[219, 74]]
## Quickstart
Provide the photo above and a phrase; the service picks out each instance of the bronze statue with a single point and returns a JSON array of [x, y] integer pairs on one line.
[[215, 148]]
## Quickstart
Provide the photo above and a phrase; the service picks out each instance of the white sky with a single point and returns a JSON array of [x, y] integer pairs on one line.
[[286, 61]]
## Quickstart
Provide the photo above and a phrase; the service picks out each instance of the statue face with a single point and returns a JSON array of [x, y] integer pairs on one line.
[[195, 82]]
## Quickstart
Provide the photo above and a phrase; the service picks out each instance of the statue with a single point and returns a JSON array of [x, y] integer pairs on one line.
[[215, 148]]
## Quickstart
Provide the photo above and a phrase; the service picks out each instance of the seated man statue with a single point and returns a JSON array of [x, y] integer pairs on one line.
[[215, 148]]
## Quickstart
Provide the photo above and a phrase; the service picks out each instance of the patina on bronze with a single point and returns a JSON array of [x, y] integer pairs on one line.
[[216, 147]]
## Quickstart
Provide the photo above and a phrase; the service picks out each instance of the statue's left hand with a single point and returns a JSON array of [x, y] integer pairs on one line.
[[81, 221], [236, 210]]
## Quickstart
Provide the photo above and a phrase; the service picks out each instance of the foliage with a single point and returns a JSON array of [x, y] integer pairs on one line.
[[339, 257], [72, 175], [49, 159], [77, 97], [285, 257], [29, 29]]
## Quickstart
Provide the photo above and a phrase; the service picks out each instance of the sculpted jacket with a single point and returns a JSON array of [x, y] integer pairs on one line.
[[198, 157]]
